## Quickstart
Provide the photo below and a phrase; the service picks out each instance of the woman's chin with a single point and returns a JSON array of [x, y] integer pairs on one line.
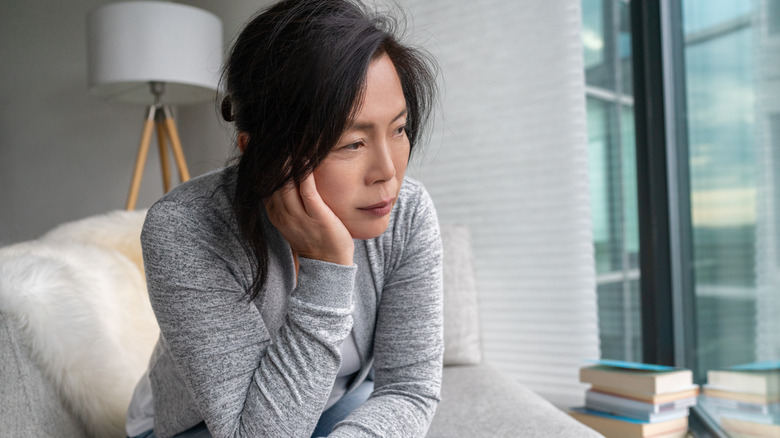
[[365, 230]]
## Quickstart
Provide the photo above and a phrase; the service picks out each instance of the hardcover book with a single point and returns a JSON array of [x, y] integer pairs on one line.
[[691, 391], [621, 427], [737, 427], [746, 397], [624, 407], [642, 378], [731, 404], [752, 381]]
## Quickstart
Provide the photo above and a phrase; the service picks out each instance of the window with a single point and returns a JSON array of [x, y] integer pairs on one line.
[[708, 119], [732, 90], [722, 149], [606, 38]]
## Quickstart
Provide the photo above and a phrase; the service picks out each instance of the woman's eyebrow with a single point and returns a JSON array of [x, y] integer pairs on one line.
[[360, 126]]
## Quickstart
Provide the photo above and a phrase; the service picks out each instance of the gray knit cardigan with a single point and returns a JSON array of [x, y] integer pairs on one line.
[[265, 368]]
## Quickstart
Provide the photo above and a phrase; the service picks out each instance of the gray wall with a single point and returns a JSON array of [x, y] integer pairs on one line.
[[65, 154]]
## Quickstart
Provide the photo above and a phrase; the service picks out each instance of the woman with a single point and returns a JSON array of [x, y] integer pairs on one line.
[[301, 287]]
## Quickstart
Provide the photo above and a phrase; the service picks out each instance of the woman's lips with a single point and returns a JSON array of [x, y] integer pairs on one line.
[[379, 209]]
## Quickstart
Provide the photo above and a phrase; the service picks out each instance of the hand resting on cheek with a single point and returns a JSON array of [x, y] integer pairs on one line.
[[309, 225]]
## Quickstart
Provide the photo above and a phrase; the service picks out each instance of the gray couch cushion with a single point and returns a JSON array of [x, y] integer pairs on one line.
[[29, 403], [461, 312], [481, 401]]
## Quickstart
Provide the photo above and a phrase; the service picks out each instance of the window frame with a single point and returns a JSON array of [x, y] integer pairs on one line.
[[668, 298]]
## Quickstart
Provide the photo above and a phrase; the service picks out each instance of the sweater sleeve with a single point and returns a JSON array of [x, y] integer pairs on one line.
[[246, 382], [408, 344]]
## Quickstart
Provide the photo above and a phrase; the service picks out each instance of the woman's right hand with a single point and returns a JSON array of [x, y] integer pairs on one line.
[[309, 225]]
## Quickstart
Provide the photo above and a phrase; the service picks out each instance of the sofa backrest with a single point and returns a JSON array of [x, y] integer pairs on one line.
[[461, 310]]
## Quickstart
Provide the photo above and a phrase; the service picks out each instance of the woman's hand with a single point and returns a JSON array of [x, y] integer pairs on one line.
[[309, 225]]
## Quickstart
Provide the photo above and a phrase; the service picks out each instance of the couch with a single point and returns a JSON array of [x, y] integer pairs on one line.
[[76, 330]]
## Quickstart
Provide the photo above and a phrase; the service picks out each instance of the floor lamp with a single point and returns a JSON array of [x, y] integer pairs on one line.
[[154, 53]]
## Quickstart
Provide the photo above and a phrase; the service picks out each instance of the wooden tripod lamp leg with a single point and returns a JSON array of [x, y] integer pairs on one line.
[[162, 143], [143, 150], [178, 153]]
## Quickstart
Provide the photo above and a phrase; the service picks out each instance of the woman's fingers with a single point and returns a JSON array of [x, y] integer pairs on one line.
[[276, 205], [287, 202], [297, 201], [308, 224], [310, 198]]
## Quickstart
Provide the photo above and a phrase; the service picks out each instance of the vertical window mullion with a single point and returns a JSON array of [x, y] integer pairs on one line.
[[652, 184]]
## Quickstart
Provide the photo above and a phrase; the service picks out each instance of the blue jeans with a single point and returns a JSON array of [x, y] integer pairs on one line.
[[340, 410], [328, 419]]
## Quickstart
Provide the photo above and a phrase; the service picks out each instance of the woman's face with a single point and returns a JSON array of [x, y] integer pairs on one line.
[[361, 177]]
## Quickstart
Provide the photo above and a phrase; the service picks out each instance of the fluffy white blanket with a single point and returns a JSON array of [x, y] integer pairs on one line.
[[80, 297]]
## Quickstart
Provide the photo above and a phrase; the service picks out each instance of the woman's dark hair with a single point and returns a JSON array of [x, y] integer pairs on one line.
[[293, 81]]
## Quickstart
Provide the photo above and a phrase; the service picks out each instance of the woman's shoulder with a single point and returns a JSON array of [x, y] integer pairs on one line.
[[413, 201], [214, 186], [201, 200]]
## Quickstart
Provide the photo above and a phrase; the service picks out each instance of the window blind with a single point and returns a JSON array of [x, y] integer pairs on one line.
[[508, 158]]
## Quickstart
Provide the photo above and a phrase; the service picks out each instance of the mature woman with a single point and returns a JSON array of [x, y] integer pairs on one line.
[[298, 292]]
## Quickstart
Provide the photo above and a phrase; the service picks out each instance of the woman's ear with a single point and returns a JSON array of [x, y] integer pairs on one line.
[[243, 141]]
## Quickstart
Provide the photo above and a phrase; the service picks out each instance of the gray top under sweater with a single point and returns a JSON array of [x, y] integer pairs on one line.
[[266, 368]]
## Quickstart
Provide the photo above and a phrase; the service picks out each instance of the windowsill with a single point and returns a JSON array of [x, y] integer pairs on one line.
[[703, 426]]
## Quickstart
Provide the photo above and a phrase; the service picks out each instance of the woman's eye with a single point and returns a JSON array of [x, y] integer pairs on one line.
[[399, 130], [352, 146]]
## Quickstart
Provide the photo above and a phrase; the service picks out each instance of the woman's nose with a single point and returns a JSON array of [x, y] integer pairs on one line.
[[382, 165]]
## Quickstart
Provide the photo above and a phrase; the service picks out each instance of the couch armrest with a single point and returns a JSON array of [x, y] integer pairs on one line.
[[29, 403], [481, 401]]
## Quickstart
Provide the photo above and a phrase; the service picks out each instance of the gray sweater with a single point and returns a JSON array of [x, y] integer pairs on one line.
[[266, 368]]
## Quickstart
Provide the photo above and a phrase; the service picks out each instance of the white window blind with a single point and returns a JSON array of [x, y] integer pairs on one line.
[[508, 158]]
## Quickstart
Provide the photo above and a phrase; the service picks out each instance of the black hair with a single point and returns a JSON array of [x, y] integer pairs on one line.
[[293, 80]]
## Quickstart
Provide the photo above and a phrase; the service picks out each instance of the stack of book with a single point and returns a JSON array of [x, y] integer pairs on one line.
[[629, 399], [745, 399]]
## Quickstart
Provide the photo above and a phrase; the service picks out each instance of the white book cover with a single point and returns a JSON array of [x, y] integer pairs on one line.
[[636, 405]]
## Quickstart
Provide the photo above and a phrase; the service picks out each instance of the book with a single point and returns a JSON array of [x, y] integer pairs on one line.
[[744, 397], [643, 378], [737, 427], [758, 366], [691, 391], [624, 407], [750, 416], [620, 427], [729, 404], [648, 417], [753, 381]]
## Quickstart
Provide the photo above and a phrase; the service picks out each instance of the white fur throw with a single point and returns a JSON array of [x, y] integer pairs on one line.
[[80, 297]]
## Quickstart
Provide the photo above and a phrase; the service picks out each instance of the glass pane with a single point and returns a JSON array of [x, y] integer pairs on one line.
[[731, 82], [596, 42], [612, 168], [624, 47], [598, 163], [630, 207], [593, 33]]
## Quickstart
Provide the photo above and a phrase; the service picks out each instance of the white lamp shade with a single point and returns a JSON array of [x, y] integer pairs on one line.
[[130, 44]]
